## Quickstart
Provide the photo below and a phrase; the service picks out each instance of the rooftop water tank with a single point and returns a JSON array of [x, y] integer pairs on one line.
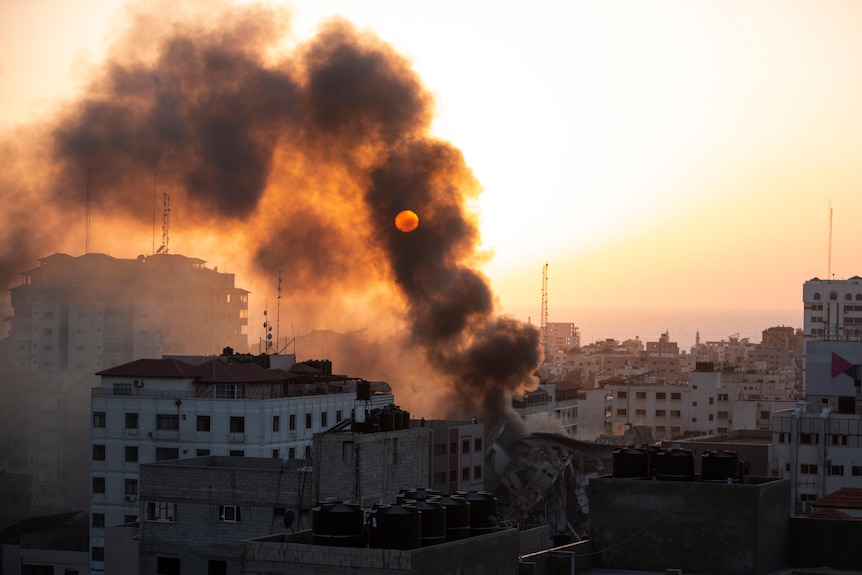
[[631, 463], [395, 527], [457, 517], [338, 523], [720, 466], [483, 512], [675, 465]]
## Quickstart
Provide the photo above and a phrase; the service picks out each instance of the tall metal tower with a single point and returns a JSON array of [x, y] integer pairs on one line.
[[166, 221], [544, 326]]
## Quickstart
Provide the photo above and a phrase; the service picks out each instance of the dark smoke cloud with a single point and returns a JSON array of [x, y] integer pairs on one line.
[[300, 159]]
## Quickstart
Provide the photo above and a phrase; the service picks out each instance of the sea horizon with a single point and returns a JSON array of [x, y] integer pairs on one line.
[[597, 323]]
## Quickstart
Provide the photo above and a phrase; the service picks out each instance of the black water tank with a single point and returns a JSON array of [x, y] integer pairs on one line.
[[339, 524], [652, 452], [457, 517], [395, 527], [675, 465], [631, 463], [433, 521], [416, 494], [390, 419], [483, 512], [720, 466]]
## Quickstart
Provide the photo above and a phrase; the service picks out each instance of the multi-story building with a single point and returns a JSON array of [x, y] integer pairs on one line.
[[833, 309], [151, 410], [73, 316], [457, 455], [561, 337]]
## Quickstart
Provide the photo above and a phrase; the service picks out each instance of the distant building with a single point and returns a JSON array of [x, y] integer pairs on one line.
[[833, 309], [73, 316], [457, 455], [562, 337], [151, 410]]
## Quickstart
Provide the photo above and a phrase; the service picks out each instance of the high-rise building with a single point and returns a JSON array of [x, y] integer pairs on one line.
[[833, 309], [73, 316]]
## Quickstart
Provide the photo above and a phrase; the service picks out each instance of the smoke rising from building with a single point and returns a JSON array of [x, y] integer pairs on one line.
[[277, 160]]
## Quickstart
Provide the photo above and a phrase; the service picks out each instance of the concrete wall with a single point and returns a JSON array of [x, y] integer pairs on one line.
[[256, 486], [491, 554], [698, 527], [370, 467], [825, 543]]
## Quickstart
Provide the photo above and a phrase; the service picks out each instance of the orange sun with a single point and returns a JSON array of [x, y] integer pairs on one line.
[[406, 221]]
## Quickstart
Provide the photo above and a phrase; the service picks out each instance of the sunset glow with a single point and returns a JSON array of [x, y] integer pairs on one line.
[[656, 154]]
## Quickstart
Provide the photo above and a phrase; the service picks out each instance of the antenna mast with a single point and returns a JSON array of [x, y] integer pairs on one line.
[[829, 249], [87, 220], [544, 326], [166, 220], [278, 314]]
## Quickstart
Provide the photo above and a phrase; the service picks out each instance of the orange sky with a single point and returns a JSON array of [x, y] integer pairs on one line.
[[655, 154]]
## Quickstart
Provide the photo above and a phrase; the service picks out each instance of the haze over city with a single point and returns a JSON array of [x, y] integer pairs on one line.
[[658, 155]]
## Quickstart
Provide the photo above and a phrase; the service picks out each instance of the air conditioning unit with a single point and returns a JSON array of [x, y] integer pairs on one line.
[[131, 498], [139, 383]]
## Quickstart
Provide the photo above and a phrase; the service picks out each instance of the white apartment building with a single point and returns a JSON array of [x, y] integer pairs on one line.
[[833, 309], [151, 410], [711, 403], [558, 401], [818, 444]]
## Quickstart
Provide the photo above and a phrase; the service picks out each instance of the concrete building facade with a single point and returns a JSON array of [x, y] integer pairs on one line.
[[153, 410]]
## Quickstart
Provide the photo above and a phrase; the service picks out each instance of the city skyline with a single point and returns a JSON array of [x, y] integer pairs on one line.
[[656, 155]]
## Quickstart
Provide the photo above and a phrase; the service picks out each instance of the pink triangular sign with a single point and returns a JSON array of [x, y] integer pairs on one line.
[[840, 365]]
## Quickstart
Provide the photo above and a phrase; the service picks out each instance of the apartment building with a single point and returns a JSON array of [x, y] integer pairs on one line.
[[160, 409], [832, 309], [457, 455], [73, 316]]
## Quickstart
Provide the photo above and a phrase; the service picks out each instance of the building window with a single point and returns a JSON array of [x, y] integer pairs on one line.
[[236, 453], [453, 476], [465, 474], [465, 446], [676, 396], [308, 421], [98, 520], [660, 395], [711, 400], [722, 397], [161, 511], [97, 554], [229, 513], [167, 566], [659, 413], [307, 453], [660, 429], [203, 423], [98, 419], [622, 394], [764, 415], [439, 449], [675, 413], [291, 453], [453, 448], [836, 470], [722, 415], [131, 421], [131, 454], [217, 566], [229, 391], [131, 487], [323, 419], [98, 485], [808, 468], [621, 411], [856, 470], [276, 423], [477, 445], [338, 416], [202, 452], [164, 453], [477, 472], [122, 389], [98, 452], [839, 439], [167, 421], [275, 453], [640, 395], [640, 412], [711, 416], [292, 422], [237, 424], [809, 438]]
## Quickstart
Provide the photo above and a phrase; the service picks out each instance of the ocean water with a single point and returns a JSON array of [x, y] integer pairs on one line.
[[599, 323]]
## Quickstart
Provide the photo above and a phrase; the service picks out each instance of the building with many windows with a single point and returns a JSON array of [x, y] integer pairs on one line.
[[73, 316], [160, 409]]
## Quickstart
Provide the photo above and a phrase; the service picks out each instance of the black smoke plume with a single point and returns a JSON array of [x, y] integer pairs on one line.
[[293, 161]]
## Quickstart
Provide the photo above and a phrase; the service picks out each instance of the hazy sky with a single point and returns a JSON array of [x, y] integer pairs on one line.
[[655, 154]]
